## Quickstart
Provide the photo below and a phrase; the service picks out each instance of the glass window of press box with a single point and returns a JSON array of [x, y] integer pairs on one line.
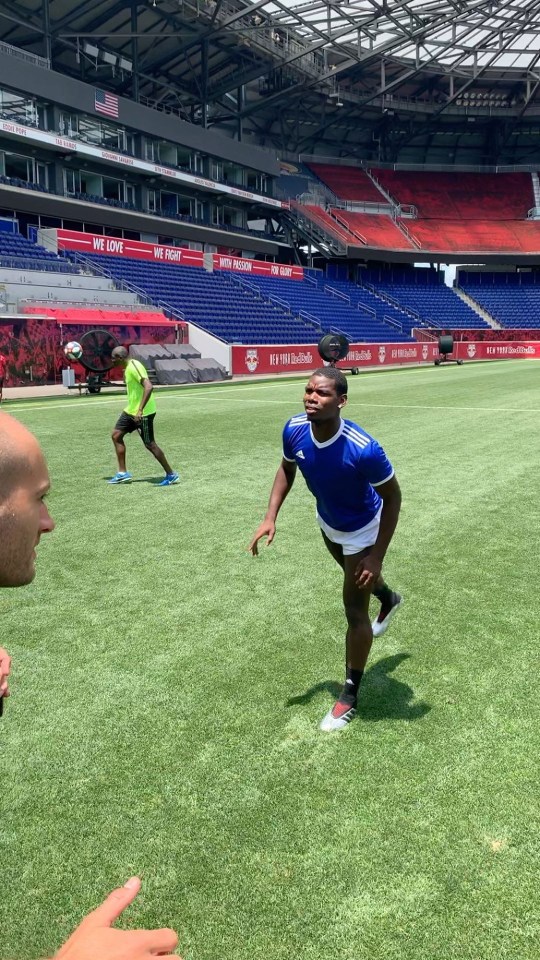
[[29, 169], [29, 111], [96, 185], [23, 109]]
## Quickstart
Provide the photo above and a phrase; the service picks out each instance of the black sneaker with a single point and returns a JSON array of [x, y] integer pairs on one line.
[[381, 624]]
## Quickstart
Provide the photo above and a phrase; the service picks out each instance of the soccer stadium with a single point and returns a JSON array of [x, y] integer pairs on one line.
[[221, 187]]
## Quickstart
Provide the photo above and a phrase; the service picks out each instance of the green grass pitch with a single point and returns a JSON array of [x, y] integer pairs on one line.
[[167, 687]]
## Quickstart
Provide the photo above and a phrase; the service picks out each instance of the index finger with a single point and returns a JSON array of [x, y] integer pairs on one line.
[[114, 905]]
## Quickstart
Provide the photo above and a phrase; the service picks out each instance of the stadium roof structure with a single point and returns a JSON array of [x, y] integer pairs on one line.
[[408, 81]]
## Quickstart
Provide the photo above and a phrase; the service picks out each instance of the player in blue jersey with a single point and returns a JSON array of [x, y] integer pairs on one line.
[[358, 502]]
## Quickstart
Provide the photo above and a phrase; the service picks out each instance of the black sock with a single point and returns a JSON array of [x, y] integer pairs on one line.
[[385, 595], [350, 690]]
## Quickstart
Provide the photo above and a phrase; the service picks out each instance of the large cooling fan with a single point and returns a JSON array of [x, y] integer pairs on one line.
[[97, 348], [333, 347]]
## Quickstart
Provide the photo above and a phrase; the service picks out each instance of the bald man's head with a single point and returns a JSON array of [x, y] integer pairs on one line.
[[24, 482]]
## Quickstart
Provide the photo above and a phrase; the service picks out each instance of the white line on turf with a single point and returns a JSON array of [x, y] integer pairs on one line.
[[222, 391], [351, 403]]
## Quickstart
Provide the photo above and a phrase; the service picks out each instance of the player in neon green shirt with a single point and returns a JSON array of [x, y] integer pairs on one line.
[[137, 415]]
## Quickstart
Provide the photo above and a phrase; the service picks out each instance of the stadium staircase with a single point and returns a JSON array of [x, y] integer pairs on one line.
[[463, 295]]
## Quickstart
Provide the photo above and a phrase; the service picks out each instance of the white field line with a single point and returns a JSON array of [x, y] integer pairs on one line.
[[222, 392]]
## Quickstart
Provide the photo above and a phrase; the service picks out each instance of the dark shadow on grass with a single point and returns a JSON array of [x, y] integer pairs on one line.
[[382, 697], [153, 480]]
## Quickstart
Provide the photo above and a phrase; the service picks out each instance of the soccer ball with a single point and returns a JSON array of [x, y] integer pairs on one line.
[[73, 350]]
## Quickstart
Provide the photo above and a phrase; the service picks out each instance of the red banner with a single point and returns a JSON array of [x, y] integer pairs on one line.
[[257, 267], [91, 243], [298, 357], [283, 359], [498, 350], [137, 249]]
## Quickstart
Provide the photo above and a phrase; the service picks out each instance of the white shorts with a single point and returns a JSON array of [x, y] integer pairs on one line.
[[355, 540]]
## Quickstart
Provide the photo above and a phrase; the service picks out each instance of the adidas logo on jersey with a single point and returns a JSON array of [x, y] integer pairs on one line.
[[300, 455]]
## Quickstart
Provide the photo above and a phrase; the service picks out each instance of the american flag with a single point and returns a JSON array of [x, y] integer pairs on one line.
[[106, 103]]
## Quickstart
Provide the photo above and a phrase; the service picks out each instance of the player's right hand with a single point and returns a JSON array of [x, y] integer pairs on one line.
[[5, 664], [95, 937], [265, 529]]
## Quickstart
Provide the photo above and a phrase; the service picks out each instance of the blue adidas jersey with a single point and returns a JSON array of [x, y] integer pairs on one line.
[[341, 473]]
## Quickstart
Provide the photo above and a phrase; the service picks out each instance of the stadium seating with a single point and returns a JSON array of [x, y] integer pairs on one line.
[[361, 324], [17, 251], [435, 303], [378, 230], [263, 310], [456, 212], [232, 311], [396, 322], [477, 236], [513, 300], [348, 183], [471, 196]]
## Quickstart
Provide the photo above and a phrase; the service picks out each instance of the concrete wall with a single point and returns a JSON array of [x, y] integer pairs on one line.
[[210, 346]]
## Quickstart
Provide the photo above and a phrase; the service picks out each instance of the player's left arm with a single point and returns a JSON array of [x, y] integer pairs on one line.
[[369, 569], [148, 390]]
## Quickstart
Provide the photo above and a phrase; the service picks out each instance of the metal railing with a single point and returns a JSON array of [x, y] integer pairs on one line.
[[364, 206], [423, 336], [394, 303], [245, 284], [94, 268], [337, 293], [392, 322], [317, 233], [348, 227], [19, 54], [405, 231], [315, 321], [281, 303]]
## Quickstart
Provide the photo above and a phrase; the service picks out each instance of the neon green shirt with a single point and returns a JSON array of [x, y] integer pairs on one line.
[[134, 373]]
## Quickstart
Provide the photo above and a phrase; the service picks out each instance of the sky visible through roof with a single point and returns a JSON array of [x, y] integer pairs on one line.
[[471, 34]]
